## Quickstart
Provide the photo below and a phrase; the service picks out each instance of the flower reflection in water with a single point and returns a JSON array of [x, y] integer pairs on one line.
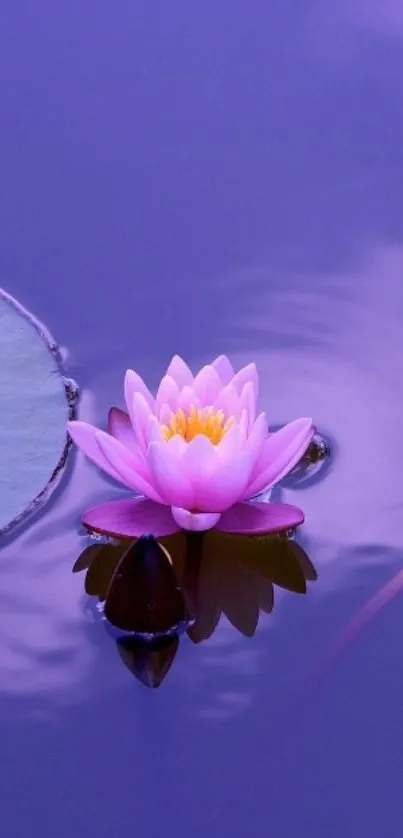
[[155, 591]]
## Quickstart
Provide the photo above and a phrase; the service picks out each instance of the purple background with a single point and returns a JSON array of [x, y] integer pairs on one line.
[[198, 180]]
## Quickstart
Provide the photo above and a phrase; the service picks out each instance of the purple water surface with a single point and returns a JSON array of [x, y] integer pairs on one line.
[[206, 178]]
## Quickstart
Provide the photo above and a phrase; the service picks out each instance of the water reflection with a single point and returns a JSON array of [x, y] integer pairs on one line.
[[152, 593], [148, 662]]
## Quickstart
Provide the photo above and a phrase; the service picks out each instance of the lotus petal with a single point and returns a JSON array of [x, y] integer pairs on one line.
[[84, 436], [180, 372], [281, 451], [195, 521], [224, 368], [120, 426]]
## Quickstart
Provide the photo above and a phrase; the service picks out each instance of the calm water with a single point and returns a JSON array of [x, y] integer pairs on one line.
[[225, 178]]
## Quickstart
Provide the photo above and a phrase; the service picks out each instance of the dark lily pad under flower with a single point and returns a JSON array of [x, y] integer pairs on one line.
[[186, 582]]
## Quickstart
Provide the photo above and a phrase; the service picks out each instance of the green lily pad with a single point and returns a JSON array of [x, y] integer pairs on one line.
[[36, 400]]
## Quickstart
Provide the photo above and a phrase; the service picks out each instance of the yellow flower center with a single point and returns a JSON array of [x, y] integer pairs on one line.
[[208, 421]]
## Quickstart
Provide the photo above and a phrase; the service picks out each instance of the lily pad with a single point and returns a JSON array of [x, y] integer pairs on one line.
[[36, 400]]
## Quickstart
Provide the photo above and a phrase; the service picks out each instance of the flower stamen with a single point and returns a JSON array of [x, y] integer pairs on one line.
[[207, 421]]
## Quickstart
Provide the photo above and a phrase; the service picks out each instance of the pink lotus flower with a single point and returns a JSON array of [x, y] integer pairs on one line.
[[197, 454]]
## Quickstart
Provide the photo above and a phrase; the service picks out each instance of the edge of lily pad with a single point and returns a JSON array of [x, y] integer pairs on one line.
[[72, 397]]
